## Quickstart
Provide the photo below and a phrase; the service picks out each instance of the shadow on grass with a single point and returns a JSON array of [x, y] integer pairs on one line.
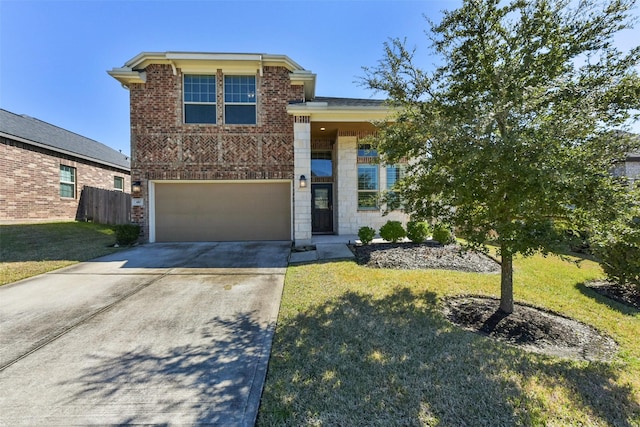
[[214, 381], [63, 241], [358, 360], [602, 299]]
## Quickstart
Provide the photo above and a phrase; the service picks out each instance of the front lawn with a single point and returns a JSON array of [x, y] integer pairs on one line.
[[30, 249], [361, 346]]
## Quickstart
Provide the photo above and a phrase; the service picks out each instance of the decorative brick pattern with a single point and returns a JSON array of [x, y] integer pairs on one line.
[[164, 148], [31, 189]]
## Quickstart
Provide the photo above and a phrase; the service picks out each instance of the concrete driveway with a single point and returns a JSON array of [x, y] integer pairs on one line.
[[161, 334]]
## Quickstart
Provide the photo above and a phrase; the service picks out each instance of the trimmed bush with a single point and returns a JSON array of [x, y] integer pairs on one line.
[[366, 235], [417, 231], [126, 234], [392, 231], [443, 234]]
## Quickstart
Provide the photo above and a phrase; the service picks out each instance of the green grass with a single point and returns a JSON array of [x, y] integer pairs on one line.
[[30, 249], [357, 346]]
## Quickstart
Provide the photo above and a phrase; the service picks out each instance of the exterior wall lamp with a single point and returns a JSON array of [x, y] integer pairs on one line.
[[136, 187], [303, 181]]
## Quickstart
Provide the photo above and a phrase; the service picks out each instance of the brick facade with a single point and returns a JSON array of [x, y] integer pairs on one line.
[[30, 188], [164, 148]]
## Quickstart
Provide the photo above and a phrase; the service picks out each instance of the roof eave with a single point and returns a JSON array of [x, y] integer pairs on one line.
[[62, 151], [127, 76], [321, 111]]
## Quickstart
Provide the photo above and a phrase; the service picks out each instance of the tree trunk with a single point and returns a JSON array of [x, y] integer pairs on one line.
[[506, 283]]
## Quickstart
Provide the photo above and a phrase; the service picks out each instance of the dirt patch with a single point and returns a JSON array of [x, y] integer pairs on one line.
[[627, 294], [411, 256], [531, 328]]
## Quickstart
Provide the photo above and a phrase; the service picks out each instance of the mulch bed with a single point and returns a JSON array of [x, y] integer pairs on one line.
[[412, 256], [531, 328], [528, 327], [628, 294]]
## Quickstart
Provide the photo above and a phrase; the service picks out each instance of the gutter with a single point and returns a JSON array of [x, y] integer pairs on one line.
[[61, 151]]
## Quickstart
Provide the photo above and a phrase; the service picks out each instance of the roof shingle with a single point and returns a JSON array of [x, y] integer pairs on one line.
[[61, 140]]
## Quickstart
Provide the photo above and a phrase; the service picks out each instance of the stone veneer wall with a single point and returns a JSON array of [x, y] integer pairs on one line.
[[30, 187], [302, 196], [164, 148], [349, 218]]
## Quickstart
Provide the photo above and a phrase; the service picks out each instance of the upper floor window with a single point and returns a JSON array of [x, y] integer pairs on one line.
[[118, 183], [67, 181], [199, 99], [240, 100]]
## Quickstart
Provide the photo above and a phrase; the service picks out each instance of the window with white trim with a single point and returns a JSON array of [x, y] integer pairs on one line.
[[199, 93], [367, 187], [67, 181], [394, 174], [240, 100], [118, 183]]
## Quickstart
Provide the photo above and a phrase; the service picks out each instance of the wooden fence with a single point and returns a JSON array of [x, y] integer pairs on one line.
[[104, 206]]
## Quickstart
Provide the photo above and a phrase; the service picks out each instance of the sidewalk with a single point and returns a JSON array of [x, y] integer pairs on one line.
[[327, 247]]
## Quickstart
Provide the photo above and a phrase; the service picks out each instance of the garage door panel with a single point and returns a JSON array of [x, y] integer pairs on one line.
[[222, 211]]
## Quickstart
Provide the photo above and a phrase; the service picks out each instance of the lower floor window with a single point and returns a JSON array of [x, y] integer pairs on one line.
[[368, 187], [67, 181], [394, 174], [118, 183]]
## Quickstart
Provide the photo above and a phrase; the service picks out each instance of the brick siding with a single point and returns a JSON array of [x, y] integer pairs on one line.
[[30, 189], [164, 148]]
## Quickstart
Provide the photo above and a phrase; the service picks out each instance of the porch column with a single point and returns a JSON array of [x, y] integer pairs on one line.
[[302, 166]]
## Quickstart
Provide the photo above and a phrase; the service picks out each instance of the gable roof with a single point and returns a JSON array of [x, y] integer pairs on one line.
[[36, 132], [133, 70]]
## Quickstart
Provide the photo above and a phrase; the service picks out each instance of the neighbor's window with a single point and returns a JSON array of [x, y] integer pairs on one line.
[[199, 99], [367, 187], [67, 181], [118, 183], [240, 100]]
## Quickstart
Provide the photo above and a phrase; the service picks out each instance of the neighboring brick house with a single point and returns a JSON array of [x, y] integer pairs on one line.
[[44, 169], [238, 147]]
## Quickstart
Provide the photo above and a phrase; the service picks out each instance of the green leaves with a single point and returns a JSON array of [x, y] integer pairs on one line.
[[514, 134], [513, 131]]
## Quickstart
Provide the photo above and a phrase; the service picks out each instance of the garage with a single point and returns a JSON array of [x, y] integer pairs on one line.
[[214, 211]]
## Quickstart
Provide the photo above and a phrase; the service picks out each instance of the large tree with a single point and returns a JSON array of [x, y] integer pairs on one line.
[[512, 135]]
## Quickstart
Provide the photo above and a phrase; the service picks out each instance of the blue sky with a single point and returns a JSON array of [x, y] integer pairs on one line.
[[54, 55]]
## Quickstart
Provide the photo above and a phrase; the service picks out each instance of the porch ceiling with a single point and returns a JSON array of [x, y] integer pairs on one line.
[[331, 128]]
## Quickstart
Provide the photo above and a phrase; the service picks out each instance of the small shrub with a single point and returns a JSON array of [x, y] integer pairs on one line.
[[366, 234], [417, 231], [392, 231], [126, 234], [443, 234]]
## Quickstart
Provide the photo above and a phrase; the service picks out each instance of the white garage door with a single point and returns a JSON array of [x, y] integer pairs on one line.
[[201, 212]]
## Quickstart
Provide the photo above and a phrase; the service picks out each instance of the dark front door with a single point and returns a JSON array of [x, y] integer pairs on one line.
[[321, 208]]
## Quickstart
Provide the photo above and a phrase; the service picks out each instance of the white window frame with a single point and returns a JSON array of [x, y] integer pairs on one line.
[[241, 103], [118, 179], [74, 176], [375, 192], [185, 102]]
